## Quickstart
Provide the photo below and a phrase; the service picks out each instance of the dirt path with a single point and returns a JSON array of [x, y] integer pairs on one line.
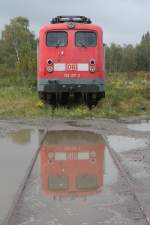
[[123, 201]]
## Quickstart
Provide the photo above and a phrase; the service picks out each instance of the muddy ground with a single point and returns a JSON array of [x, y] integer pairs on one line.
[[127, 201]]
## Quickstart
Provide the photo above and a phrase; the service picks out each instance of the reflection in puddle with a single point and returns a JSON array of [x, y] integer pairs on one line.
[[143, 126], [122, 143], [16, 151], [21, 137], [70, 182], [73, 164]]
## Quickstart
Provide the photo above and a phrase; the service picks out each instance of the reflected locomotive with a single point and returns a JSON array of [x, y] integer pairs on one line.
[[73, 169]]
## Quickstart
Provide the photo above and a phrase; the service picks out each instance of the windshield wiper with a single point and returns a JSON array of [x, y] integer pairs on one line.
[[82, 44], [58, 44]]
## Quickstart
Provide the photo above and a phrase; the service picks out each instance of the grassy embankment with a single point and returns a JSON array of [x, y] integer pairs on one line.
[[126, 95]]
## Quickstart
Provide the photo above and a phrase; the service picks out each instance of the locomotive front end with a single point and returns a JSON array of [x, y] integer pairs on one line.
[[71, 60]]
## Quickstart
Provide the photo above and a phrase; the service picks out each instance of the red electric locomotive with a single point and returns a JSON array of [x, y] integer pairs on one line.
[[71, 60]]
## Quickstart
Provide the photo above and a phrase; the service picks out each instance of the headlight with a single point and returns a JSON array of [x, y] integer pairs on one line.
[[49, 69], [51, 157], [92, 69]]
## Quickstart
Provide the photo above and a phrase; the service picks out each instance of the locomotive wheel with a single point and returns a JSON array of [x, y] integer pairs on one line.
[[54, 99], [78, 98], [93, 98], [41, 95], [89, 99], [51, 98], [64, 98], [103, 94], [100, 96], [48, 98]]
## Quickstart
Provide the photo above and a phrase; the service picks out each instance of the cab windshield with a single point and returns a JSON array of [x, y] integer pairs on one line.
[[85, 39], [56, 39]]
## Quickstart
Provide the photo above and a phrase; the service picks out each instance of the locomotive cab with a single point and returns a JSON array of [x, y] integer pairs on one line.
[[71, 60]]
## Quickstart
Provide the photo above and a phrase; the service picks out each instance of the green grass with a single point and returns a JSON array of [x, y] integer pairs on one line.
[[127, 94]]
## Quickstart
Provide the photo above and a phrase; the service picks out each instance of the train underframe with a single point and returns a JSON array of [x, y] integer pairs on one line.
[[71, 91]]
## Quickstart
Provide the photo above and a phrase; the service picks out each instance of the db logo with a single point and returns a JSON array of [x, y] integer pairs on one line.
[[71, 67]]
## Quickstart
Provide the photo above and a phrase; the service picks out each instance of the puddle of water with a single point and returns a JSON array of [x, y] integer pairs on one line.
[[73, 163], [66, 185], [75, 124], [143, 126], [122, 143], [16, 151]]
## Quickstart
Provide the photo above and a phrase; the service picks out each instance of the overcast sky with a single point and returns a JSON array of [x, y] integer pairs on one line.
[[123, 21]]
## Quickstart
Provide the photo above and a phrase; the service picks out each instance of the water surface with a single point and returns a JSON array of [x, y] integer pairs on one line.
[[16, 151], [71, 182], [144, 125]]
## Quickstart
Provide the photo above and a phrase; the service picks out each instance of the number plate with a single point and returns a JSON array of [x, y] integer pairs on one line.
[[74, 75]]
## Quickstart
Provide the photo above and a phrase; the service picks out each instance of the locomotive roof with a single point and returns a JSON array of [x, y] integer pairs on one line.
[[64, 26], [71, 18]]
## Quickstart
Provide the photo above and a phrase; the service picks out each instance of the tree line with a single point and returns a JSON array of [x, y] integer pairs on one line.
[[18, 52], [129, 58]]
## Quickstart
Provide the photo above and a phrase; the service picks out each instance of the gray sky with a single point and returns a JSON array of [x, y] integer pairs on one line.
[[123, 21]]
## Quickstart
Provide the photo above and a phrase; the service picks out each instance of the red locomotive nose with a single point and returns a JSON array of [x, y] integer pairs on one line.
[[71, 60]]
